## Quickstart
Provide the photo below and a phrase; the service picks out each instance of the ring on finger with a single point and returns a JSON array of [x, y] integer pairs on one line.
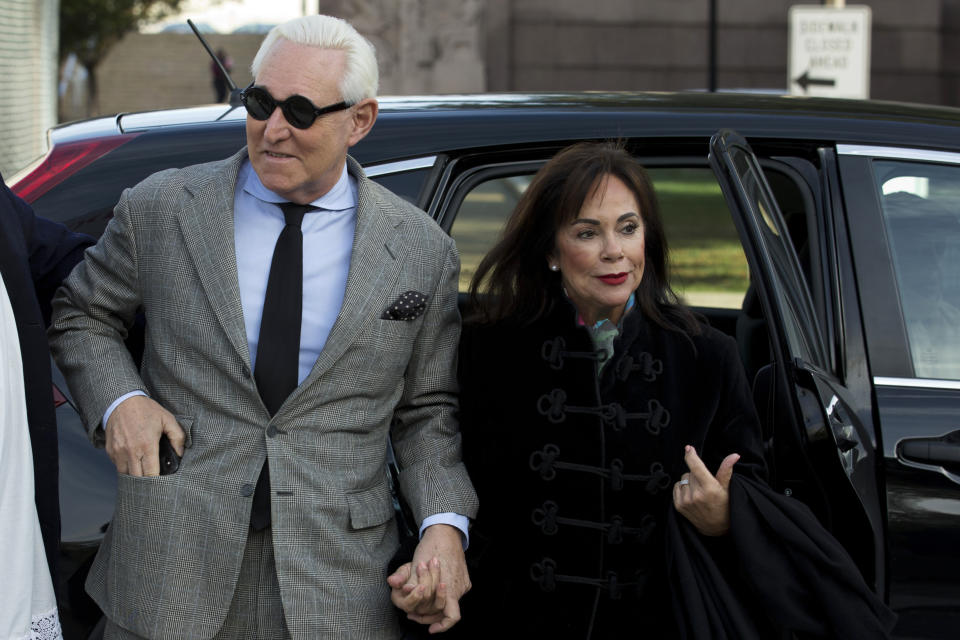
[[684, 481]]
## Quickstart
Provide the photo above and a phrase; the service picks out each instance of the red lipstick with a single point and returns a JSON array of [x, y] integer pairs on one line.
[[614, 278]]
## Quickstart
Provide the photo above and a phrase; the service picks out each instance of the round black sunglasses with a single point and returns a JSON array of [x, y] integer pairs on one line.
[[298, 111]]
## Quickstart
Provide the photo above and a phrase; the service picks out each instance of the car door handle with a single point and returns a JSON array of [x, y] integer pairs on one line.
[[944, 451]]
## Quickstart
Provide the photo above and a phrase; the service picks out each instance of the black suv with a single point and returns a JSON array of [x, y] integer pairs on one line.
[[829, 247]]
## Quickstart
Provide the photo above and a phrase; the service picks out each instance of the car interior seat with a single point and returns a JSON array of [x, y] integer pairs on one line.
[[753, 338]]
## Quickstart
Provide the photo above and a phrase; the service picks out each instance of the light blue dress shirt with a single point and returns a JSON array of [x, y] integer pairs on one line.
[[327, 245]]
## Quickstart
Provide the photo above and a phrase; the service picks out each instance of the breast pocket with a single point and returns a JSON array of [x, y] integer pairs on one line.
[[394, 341]]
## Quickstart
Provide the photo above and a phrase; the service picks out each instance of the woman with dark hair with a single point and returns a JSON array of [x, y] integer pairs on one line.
[[612, 439]]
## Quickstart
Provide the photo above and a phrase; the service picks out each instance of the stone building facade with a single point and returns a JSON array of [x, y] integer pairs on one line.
[[28, 66]]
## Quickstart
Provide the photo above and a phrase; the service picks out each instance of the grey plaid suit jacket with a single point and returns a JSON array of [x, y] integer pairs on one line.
[[170, 559]]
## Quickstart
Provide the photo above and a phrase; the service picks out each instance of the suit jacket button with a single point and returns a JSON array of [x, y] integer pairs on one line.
[[271, 431], [246, 490]]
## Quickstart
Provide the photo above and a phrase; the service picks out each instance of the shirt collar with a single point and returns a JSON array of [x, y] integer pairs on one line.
[[600, 323], [340, 198]]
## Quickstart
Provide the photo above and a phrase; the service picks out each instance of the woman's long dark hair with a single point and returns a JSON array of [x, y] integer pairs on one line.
[[512, 282]]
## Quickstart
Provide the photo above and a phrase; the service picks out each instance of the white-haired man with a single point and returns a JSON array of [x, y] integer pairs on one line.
[[298, 315]]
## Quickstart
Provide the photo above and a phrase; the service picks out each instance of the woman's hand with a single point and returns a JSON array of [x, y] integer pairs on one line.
[[701, 497]]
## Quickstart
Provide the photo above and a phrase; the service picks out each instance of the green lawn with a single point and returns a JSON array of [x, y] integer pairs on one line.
[[706, 255]]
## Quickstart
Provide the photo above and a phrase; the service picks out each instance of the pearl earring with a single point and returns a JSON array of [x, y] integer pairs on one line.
[[554, 267]]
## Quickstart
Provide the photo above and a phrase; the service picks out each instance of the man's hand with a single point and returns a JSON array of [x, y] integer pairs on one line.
[[702, 498], [133, 435], [430, 587]]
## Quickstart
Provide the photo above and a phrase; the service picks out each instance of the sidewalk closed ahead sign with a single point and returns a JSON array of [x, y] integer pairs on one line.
[[829, 51]]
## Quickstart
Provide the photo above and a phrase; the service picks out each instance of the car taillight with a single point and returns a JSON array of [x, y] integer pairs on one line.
[[58, 397], [63, 161]]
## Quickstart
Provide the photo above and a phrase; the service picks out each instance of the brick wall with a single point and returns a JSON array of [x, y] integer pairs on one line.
[[165, 70], [906, 51], [28, 54], [548, 45]]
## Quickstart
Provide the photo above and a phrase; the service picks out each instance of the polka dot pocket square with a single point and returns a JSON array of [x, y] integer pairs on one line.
[[409, 306]]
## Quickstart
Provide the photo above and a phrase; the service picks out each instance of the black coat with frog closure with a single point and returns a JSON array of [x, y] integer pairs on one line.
[[577, 536], [575, 472]]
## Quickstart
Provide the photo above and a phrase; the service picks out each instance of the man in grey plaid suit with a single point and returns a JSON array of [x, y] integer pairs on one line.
[[193, 249]]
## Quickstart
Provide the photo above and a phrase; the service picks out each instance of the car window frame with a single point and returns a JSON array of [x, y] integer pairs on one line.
[[428, 165], [460, 185], [768, 268]]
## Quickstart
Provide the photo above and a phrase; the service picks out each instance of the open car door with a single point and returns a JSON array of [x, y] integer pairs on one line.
[[818, 448]]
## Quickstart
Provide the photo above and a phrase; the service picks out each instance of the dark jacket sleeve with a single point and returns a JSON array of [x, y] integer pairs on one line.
[[35, 256], [51, 249]]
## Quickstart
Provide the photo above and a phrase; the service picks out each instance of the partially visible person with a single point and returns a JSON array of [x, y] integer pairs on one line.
[[28, 608], [220, 85], [613, 442], [35, 255]]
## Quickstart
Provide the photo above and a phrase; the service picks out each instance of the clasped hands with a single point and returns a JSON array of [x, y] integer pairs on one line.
[[429, 587], [703, 498]]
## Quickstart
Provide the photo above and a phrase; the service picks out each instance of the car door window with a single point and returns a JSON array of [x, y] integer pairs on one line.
[[921, 212], [709, 268]]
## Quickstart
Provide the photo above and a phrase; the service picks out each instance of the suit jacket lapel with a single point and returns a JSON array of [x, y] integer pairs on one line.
[[207, 223], [377, 256]]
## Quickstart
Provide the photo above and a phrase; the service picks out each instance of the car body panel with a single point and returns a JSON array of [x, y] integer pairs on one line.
[[922, 500]]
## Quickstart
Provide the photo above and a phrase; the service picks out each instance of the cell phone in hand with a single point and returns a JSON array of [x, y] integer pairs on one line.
[[169, 460]]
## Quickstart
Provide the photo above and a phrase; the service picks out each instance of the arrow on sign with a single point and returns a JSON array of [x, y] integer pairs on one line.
[[806, 81]]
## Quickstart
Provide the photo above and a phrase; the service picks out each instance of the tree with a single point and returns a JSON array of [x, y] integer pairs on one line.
[[89, 28]]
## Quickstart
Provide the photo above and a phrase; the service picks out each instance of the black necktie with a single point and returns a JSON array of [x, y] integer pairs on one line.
[[278, 348]]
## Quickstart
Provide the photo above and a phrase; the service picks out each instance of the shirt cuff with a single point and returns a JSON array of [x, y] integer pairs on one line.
[[454, 520], [116, 403]]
